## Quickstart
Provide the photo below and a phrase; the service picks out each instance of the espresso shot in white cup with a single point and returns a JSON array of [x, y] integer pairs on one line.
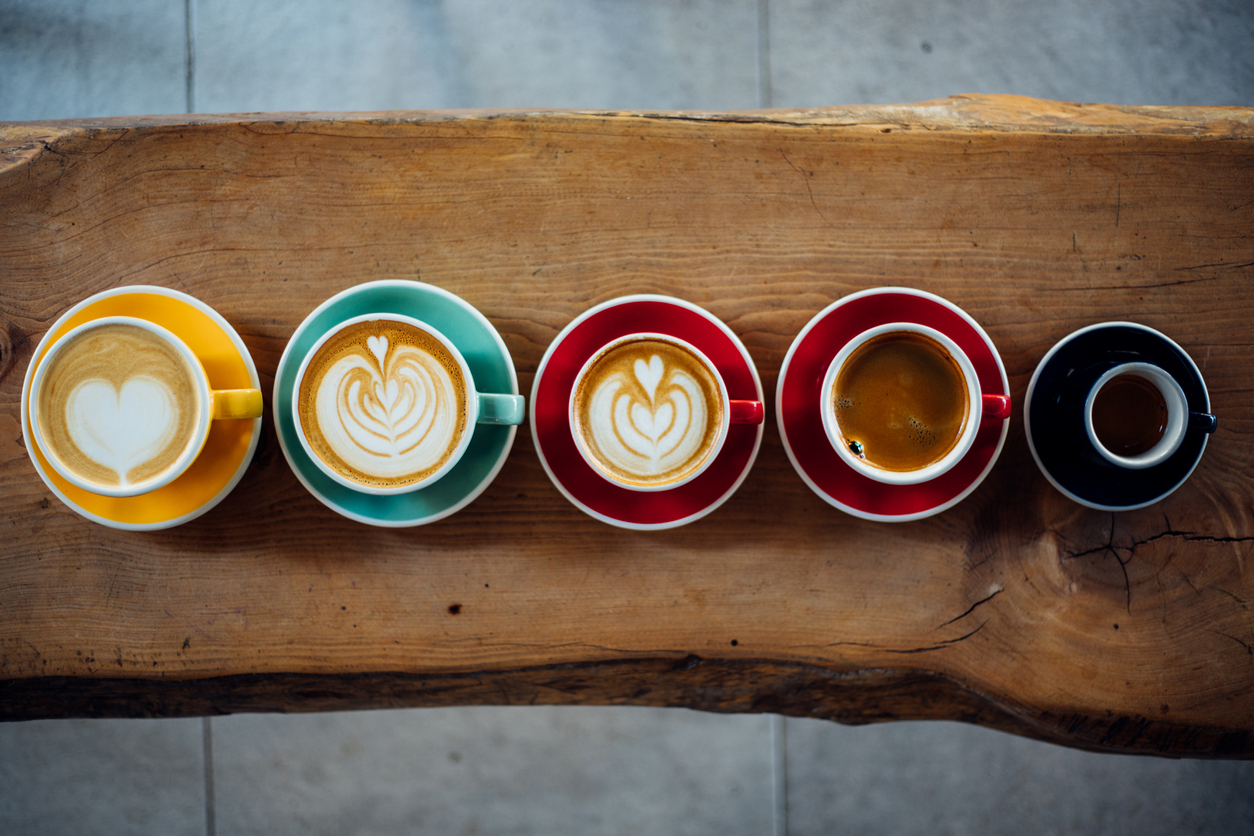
[[650, 412], [386, 404], [901, 403], [1136, 416], [121, 407]]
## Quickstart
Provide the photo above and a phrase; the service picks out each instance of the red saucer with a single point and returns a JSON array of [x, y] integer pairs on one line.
[[801, 423], [550, 420]]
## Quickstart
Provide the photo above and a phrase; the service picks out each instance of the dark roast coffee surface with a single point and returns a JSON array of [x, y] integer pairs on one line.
[[1129, 415]]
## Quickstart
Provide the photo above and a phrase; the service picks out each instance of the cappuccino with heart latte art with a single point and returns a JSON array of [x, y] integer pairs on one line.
[[118, 406], [648, 412], [383, 403]]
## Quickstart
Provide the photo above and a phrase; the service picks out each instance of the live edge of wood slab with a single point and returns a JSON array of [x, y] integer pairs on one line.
[[1017, 609]]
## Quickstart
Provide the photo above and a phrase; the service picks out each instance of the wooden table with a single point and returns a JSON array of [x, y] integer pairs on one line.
[[1017, 609]]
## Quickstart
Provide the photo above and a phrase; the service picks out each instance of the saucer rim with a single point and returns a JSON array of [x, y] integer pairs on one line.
[[783, 431], [544, 362], [231, 334], [472, 495], [1027, 413]]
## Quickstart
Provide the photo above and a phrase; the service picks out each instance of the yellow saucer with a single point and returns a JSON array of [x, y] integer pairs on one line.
[[230, 445]]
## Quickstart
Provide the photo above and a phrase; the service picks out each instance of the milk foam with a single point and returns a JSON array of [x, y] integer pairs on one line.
[[646, 417], [118, 406], [122, 428], [388, 410]]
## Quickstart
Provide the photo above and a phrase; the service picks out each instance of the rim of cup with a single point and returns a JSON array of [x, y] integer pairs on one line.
[[185, 459], [472, 405], [1177, 415], [935, 469], [573, 412]]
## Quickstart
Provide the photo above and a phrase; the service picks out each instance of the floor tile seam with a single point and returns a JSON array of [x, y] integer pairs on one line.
[[764, 54], [189, 19], [779, 773], [206, 725]]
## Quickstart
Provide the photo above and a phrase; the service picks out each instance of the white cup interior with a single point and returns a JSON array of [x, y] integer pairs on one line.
[[184, 460], [902, 477], [472, 406], [575, 420], [1177, 415]]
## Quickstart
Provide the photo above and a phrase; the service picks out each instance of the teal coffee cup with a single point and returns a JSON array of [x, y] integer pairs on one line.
[[384, 403]]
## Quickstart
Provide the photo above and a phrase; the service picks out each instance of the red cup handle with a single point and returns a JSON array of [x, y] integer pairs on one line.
[[997, 406], [747, 412]]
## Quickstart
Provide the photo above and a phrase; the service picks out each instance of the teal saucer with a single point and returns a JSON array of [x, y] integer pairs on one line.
[[489, 362]]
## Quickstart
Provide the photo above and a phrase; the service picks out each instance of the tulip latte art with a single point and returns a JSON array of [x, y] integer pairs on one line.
[[118, 406], [383, 403], [648, 412]]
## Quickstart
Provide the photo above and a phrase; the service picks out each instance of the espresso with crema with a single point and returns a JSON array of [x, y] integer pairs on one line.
[[648, 412], [383, 403], [118, 406], [901, 401]]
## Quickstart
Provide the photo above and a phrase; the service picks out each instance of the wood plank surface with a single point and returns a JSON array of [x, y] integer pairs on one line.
[[1017, 609]]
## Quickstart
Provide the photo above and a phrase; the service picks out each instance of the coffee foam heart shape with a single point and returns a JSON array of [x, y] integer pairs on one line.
[[648, 412], [122, 429], [649, 374]]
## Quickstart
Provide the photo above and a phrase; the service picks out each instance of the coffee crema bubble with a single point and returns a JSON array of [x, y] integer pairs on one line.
[[118, 406], [901, 401], [649, 412], [383, 403]]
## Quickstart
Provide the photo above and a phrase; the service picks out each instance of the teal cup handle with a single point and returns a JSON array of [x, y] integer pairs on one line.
[[501, 409]]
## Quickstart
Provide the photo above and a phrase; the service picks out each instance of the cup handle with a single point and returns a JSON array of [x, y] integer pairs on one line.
[[501, 409], [237, 403], [1203, 421], [996, 406], [746, 412]]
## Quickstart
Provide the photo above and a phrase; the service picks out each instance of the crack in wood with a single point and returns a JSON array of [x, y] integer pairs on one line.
[[938, 645], [1181, 282], [1244, 604], [971, 609], [900, 650], [1249, 650], [1113, 550], [1219, 265], [805, 177], [1187, 536]]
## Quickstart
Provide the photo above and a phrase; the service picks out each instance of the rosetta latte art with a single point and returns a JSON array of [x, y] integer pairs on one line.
[[650, 421], [390, 412]]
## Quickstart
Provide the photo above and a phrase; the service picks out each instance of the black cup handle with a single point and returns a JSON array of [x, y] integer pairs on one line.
[[1203, 421]]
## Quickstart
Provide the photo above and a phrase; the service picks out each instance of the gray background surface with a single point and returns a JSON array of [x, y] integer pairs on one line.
[[550, 770]]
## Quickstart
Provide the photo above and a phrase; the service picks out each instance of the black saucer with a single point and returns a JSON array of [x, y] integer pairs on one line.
[[1054, 416]]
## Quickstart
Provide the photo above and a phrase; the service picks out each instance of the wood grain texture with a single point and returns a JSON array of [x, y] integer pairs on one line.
[[1016, 609]]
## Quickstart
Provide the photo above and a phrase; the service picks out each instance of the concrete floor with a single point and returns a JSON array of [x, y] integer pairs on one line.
[[599, 770]]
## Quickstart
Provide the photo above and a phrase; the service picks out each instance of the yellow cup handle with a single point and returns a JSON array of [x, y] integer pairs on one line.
[[237, 403]]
